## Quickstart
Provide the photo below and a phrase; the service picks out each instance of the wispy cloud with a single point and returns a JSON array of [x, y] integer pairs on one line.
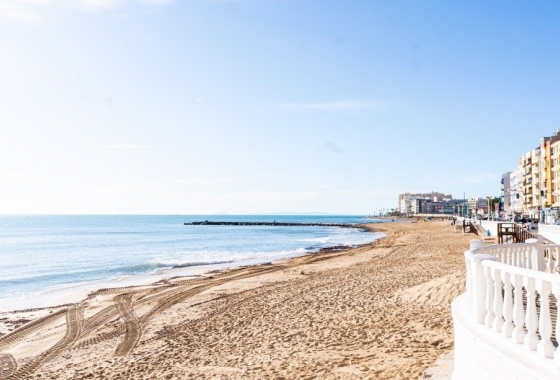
[[329, 145], [22, 10], [100, 5], [119, 189], [13, 177], [128, 146], [207, 180], [157, 2], [31, 11], [340, 105]]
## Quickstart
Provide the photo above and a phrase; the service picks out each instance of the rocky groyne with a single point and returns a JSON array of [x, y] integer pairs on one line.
[[276, 224]]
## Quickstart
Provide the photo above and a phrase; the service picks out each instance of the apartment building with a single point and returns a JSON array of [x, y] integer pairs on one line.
[[477, 206], [530, 185], [555, 173], [533, 188], [512, 190], [428, 203]]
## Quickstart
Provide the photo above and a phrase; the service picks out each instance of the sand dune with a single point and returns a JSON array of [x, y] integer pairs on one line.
[[379, 312]]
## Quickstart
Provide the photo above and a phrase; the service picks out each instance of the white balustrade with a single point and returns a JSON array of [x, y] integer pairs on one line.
[[498, 279]]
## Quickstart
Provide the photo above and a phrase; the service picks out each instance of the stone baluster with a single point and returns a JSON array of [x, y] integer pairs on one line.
[[550, 261], [545, 348], [553, 258], [556, 292], [527, 254], [536, 256], [489, 297], [498, 300], [531, 321], [518, 333], [521, 256], [540, 257], [507, 327]]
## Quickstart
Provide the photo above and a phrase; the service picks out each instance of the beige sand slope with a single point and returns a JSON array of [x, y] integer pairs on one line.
[[379, 312]]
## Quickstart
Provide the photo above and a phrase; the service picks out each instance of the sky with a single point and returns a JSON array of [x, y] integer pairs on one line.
[[267, 106]]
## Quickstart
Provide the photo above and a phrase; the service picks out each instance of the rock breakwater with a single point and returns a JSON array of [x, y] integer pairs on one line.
[[277, 224]]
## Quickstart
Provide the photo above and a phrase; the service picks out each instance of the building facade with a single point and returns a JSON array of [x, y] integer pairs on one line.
[[428, 203], [513, 201], [533, 188]]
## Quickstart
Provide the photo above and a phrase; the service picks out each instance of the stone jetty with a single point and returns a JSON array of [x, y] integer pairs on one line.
[[277, 224]]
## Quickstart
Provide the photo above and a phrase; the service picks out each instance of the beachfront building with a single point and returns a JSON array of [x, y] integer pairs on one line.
[[530, 185], [533, 188], [555, 174], [405, 206], [477, 206], [511, 192], [548, 146], [425, 203]]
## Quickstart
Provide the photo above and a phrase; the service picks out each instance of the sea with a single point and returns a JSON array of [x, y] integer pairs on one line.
[[44, 257]]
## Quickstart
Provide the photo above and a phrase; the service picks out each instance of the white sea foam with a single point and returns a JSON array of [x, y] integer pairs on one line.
[[321, 240]]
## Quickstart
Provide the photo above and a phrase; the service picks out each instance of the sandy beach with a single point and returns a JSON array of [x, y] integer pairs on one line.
[[379, 311]]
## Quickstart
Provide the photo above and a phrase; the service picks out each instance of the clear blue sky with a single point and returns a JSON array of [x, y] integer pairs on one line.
[[256, 106]]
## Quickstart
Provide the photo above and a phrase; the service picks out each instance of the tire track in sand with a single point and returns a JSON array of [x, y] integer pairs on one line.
[[29, 328], [73, 327], [133, 330], [8, 365]]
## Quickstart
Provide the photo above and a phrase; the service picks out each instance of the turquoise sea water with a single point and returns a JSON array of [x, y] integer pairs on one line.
[[39, 254]]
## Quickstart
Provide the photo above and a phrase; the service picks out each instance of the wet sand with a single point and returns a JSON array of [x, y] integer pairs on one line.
[[380, 311]]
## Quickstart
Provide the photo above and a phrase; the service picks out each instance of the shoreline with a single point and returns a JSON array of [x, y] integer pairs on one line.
[[69, 294], [380, 310]]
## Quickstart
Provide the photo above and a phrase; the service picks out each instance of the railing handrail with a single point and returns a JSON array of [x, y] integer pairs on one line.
[[505, 246], [532, 273]]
